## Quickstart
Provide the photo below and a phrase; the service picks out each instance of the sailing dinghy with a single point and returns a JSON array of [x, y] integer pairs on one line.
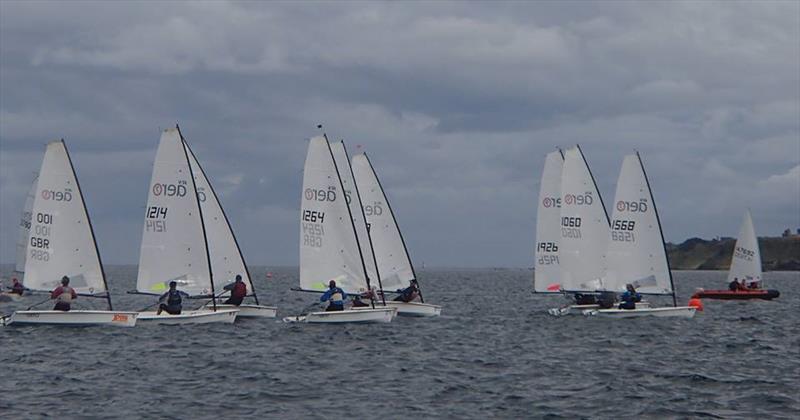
[[581, 232], [174, 240], [393, 262], [745, 265], [329, 243], [22, 243], [227, 260], [635, 252], [60, 241]]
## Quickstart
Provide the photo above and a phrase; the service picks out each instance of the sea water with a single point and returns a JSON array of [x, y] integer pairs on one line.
[[494, 353]]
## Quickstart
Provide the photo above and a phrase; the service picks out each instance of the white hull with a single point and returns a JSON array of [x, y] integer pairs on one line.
[[250, 311], [200, 316], [579, 309], [668, 312], [73, 318], [367, 315], [415, 309]]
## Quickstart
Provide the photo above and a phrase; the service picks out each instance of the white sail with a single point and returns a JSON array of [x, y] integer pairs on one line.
[[226, 259], [636, 252], [547, 277], [746, 263], [328, 246], [353, 196], [25, 228], [173, 245], [394, 264], [61, 241], [584, 226]]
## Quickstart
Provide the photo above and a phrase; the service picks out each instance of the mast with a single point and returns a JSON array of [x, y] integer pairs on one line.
[[89, 222], [399, 232], [200, 213], [225, 216], [349, 213], [660, 231], [364, 218]]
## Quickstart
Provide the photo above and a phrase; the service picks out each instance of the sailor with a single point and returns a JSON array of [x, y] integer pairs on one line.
[[630, 297], [409, 293], [370, 294], [17, 287], [606, 299], [734, 284], [334, 296], [238, 291], [63, 295], [585, 299], [172, 301]]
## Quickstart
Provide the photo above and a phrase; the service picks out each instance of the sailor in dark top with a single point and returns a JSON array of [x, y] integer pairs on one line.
[[238, 291], [409, 293], [630, 297], [172, 301], [17, 287]]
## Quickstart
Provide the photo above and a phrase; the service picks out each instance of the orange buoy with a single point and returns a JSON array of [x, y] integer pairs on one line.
[[696, 303]]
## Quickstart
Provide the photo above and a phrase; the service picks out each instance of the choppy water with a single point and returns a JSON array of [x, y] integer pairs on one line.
[[494, 353]]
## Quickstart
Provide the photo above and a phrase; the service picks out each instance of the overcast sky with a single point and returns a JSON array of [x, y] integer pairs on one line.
[[456, 103]]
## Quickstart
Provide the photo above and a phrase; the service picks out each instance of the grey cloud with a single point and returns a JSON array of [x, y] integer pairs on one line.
[[456, 103]]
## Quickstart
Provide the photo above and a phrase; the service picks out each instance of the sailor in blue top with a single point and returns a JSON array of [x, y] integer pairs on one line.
[[172, 301], [334, 296], [630, 297]]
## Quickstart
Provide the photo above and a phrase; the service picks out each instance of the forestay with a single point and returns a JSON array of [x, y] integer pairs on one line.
[[584, 226], [25, 228], [394, 263], [61, 241], [746, 263], [173, 245], [353, 197], [636, 253], [547, 277], [226, 259], [328, 246]]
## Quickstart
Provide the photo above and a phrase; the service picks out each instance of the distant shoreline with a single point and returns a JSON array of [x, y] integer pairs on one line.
[[777, 254]]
